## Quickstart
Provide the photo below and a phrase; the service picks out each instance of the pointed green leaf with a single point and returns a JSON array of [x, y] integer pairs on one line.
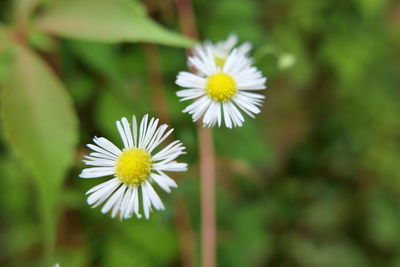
[[107, 21], [40, 125]]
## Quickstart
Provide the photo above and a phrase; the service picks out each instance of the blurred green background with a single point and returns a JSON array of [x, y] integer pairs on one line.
[[313, 181]]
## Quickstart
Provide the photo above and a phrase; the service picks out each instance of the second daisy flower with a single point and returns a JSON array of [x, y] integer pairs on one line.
[[220, 91]]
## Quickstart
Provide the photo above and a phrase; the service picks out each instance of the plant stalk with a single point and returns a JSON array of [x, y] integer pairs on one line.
[[207, 157]]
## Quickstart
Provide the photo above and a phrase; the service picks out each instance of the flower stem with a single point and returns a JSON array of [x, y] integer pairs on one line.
[[207, 180], [207, 157]]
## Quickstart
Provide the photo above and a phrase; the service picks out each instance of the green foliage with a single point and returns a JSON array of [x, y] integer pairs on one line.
[[106, 21], [40, 124], [39, 120]]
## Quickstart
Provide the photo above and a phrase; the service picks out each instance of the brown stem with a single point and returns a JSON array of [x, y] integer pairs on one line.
[[187, 18], [156, 81], [207, 176], [207, 157]]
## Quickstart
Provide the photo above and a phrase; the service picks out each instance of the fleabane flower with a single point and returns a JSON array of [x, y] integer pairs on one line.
[[135, 168], [221, 92], [222, 49]]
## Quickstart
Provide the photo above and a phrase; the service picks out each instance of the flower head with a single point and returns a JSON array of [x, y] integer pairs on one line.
[[135, 168], [219, 92], [222, 49]]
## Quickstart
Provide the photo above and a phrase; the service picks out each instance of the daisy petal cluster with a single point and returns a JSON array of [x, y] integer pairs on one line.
[[135, 168], [221, 92], [221, 49]]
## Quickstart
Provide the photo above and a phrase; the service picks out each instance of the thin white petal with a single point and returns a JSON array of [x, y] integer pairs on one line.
[[190, 80], [164, 182], [100, 152], [172, 166], [98, 197], [136, 202], [107, 145], [154, 198], [125, 203], [127, 130], [117, 205], [134, 130], [142, 130], [227, 117], [146, 203], [102, 185], [96, 172], [122, 134], [113, 199]]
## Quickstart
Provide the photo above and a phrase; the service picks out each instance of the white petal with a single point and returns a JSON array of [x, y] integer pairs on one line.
[[235, 119], [196, 105], [127, 130], [107, 145], [99, 162], [190, 80], [100, 152], [172, 166], [136, 202], [164, 182], [210, 117], [96, 172], [227, 117], [125, 203], [117, 205], [142, 130], [102, 185], [200, 65], [201, 109], [122, 134], [154, 198], [230, 62], [127, 208], [151, 130], [134, 130], [146, 203], [114, 199], [160, 140], [188, 94], [156, 138], [173, 147], [245, 48], [98, 197], [252, 84], [219, 112], [247, 107]]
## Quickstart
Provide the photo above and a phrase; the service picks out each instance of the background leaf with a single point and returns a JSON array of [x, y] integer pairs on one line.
[[40, 124], [107, 21]]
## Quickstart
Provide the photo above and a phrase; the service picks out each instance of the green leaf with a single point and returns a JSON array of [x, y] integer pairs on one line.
[[41, 126], [107, 21]]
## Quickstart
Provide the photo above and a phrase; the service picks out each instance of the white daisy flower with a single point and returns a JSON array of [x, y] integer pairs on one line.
[[135, 168], [222, 49], [220, 92]]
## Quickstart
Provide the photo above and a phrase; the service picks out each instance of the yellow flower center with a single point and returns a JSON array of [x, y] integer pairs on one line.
[[219, 61], [221, 87], [133, 166]]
